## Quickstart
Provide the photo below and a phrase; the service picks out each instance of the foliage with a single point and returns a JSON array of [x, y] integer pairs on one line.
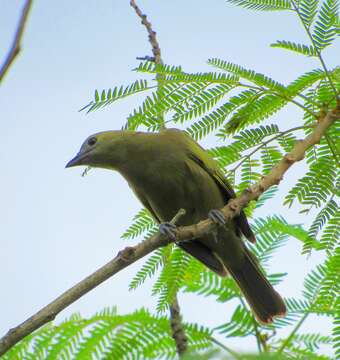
[[234, 103], [108, 335]]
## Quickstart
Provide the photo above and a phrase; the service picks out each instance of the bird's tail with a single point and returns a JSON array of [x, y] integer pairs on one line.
[[265, 302]]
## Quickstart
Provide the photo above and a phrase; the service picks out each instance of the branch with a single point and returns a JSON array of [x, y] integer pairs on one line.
[[152, 34], [130, 255], [178, 333], [16, 45], [156, 50]]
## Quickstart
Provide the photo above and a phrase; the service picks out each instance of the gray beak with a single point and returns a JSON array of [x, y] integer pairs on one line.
[[76, 161]]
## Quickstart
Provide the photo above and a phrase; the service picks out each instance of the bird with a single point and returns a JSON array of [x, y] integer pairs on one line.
[[168, 171]]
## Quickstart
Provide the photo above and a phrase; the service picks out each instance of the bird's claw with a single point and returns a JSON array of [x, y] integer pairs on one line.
[[217, 217], [169, 230]]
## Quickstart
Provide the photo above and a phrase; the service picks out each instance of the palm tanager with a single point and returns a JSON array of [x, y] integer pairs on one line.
[[169, 171]]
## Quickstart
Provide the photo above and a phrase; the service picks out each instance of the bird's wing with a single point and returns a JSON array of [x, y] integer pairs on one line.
[[202, 158]]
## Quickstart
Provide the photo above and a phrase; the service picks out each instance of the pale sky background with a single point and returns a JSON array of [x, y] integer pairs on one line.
[[57, 227]]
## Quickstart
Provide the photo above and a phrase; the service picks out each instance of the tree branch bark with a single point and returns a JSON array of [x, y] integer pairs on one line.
[[16, 45], [178, 333], [131, 254], [156, 50]]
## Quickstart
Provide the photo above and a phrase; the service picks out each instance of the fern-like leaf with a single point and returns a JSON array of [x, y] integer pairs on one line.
[[241, 324], [117, 93], [331, 234], [298, 48], [250, 75], [108, 335], [171, 278], [142, 222], [308, 10], [316, 186], [325, 25], [326, 213], [263, 5], [336, 331], [149, 268]]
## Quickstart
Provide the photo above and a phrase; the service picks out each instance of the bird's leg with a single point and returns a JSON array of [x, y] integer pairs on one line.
[[168, 230], [217, 217]]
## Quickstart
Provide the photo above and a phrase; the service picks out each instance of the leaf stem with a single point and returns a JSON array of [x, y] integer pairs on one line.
[[291, 335], [226, 348], [256, 329], [333, 151], [265, 143], [304, 108]]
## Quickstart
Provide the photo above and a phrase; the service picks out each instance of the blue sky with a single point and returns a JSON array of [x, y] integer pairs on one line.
[[56, 226]]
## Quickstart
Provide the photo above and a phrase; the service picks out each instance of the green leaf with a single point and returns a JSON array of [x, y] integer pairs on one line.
[[314, 188], [326, 213], [148, 269], [298, 48], [172, 278], [331, 234], [269, 237], [111, 95], [241, 324], [210, 284], [308, 10], [163, 69], [326, 24], [263, 5], [200, 103], [142, 222], [311, 341], [267, 195], [256, 78], [270, 156], [336, 331], [108, 335]]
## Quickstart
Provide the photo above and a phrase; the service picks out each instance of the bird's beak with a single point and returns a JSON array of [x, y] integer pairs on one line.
[[76, 161]]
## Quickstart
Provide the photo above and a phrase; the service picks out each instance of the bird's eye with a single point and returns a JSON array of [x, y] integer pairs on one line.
[[91, 141]]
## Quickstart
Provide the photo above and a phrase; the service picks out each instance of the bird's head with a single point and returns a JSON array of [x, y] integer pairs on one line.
[[102, 150]]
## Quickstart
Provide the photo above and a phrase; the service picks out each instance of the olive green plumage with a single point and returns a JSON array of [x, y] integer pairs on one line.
[[168, 171]]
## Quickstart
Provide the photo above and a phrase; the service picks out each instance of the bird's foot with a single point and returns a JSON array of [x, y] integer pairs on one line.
[[169, 230], [217, 217]]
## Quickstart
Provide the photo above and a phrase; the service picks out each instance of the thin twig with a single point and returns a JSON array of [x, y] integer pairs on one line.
[[293, 332], [267, 142], [233, 353], [16, 44], [156, 50], [131, 254], [282, 96], [256, 329], [333, 151]]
